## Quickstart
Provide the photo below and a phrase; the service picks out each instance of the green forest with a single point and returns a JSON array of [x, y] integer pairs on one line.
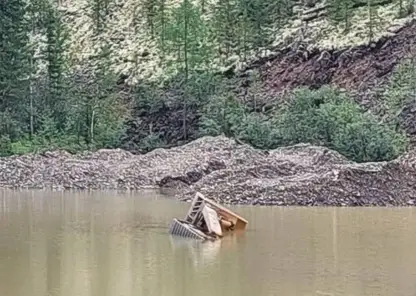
[[52, 99]]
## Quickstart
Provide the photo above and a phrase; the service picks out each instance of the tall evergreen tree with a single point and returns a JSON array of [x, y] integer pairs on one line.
[[155, 15], [149, 9], [14, 66], [374, 20], [226, 18], [262, 17], [257, 23], [97, 114], [341, 11], [99, 10], [56, 45], [187, 38], [35, 14]]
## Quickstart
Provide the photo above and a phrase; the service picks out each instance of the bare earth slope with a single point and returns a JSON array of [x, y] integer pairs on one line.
[[226, 172], [357, 69]]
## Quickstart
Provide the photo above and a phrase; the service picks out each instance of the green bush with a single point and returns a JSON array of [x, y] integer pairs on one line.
[[401, 87], [226, 115], [325, 117], [330, 118], [5, 145], [259, 131], [314, 116], [222, 115], [40, 144], [366, 140]]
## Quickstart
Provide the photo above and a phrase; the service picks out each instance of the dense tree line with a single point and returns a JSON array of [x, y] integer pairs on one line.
[[47, 100]]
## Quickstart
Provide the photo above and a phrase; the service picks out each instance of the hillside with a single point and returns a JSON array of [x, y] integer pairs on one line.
[[90, 74], [378, 76], [137, 54], [355, 69]]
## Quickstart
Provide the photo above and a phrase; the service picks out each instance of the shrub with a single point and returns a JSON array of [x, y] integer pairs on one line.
[[326, 117], [330, 118], [222, 115], [366, 140], [314, 116], [5, 145], [259, 131], [401, 87]]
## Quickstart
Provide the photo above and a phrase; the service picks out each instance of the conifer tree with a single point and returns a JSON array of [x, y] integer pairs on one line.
[[187, 39], [56, 45], [341, 11], [226, 18], [257, 23], [161, 12], [99, 10], [149, 7], [155, 16], [374, 20], [14, 66], [35, 15], [401, 8], [261, 16], [96, 115], [244, 28]]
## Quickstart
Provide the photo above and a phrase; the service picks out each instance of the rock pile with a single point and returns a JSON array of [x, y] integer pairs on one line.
[[115, 169], [307, 175], [225, 171]]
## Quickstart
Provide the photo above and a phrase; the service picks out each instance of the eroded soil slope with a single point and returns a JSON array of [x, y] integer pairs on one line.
[[358, 70], [225, 171]]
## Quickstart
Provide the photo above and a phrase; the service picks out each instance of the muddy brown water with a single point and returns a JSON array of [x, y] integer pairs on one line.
[[114, 244]]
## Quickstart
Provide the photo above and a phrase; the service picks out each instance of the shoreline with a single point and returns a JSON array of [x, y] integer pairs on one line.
[[225, 171], [179, 197]]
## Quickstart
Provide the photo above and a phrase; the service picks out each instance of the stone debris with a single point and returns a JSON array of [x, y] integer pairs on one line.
[[226, 172]]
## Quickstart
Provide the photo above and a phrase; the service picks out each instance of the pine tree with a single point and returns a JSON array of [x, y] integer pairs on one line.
[[14, 67], [261, 16], [161, 13], [374, 20], [226, 20], [155, 15], [56, 45], [341, 11], [149, 8], [99, 11], [244, 28], [187, 38], [97, 114], [257, 23], [35, 12]]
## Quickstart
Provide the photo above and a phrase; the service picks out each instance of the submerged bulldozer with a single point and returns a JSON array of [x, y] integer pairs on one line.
[[207, 220]]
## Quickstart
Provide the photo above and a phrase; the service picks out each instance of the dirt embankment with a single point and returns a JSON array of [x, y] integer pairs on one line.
[[227, 172], [359, 69]]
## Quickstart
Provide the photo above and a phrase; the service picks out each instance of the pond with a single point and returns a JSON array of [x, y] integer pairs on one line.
[[116, 244]]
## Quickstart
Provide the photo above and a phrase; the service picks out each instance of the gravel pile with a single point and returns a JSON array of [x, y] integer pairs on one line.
[[114, 169], [224, 171]]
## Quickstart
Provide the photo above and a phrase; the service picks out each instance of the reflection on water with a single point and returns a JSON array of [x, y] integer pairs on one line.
[[101, 244]]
